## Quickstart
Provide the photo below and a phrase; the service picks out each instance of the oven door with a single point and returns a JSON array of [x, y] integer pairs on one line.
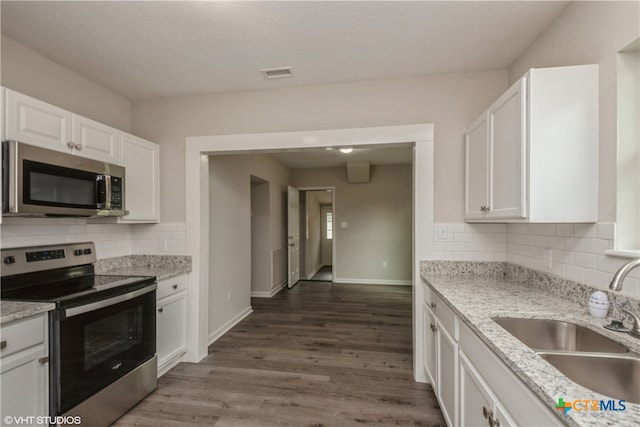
[[100, 342]]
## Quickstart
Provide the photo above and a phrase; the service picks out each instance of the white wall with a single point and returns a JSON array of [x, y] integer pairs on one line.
[[33, 74], [230, 247], [378, 219], [229, 241], [450, 101]]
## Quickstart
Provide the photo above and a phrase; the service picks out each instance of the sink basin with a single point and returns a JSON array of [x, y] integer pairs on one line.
[[611, 375], [556, 335]]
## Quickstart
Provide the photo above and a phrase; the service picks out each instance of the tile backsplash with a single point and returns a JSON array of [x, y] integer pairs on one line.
[[570, 251], [111, 240]]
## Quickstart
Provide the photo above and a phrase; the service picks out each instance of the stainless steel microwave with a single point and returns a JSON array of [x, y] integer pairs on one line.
[[41, 182]]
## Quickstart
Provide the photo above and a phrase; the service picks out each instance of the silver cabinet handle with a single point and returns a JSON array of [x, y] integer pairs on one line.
[[3, 344], [433, 305], [160, 310], [174, 287], [43, 360], [78, 147], [71, 145], [434, 328]]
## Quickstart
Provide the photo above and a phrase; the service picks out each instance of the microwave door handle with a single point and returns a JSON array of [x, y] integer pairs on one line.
[[101, 191]]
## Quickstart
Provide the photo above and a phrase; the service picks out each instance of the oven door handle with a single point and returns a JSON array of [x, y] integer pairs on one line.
[[75, 311]]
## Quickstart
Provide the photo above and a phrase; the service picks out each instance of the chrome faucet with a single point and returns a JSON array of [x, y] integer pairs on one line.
[[616, 282], [635, 329]]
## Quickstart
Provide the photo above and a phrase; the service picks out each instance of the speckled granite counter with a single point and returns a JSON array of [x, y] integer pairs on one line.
[[161, 266], [15, 310], [478, 291]]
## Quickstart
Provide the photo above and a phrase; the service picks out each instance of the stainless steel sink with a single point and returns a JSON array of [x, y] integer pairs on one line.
[[611, 375], [556, 335]]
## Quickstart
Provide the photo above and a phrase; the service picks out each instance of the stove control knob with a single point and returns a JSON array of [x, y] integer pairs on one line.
[[87, 251], [9, 259], [77, 252]]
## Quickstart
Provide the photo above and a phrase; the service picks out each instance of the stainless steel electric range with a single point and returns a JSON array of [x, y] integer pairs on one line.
[[102, 333]]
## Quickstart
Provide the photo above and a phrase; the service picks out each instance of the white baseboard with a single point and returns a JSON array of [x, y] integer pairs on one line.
[[213, 337], [268, 294], [373, 282]]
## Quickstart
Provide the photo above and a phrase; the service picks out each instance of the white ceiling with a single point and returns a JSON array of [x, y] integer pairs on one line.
[[150, 49]]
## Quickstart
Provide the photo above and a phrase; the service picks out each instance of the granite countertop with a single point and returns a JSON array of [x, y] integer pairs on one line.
[[15, 310], [161, 266], [475, 299]]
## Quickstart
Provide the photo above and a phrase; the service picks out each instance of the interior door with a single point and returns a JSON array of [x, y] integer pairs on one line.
[[293, 239]]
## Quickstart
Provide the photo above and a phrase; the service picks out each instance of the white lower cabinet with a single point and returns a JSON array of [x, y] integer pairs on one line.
[[430, 347], [24, 370], [171, 338], [447, 374], [476, 402], [441, 354], [472, 385]]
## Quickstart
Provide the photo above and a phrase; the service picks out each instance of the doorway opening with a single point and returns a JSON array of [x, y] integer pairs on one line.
[[317, 234], [260, 236], [211, 316]]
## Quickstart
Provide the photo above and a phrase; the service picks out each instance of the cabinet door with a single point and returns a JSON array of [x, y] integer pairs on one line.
[[23, 381], [477, 169], [447, 374], [171, 328], [95, 141], [508, 126], [35, 122], [430, 346], [476, 403], [142, 180]]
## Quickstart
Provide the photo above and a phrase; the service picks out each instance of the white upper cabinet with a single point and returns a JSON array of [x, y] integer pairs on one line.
[[95, 140], [541, 157], [507, 124], [141, 160], [35, 122], [477, 169]]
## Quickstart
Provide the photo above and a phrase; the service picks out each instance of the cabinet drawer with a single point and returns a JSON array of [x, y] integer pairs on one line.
[[442, 311], [171, 286], [22, 334], [524, 406]]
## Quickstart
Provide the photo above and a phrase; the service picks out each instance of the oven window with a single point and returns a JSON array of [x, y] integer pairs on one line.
[[108, 337]]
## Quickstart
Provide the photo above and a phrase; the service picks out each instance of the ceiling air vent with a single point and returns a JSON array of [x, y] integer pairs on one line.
[[277, 73]]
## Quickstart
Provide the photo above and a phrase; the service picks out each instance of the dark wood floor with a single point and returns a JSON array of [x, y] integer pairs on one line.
[[319, 354]]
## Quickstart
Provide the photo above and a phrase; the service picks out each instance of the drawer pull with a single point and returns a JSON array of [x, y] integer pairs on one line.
[[434, 305], [434, 328], [174, 287], [160, 310], [44, 360], [3, 344]]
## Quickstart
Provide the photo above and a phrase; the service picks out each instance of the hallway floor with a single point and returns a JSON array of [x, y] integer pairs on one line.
[[325, 274], [314, 355]]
